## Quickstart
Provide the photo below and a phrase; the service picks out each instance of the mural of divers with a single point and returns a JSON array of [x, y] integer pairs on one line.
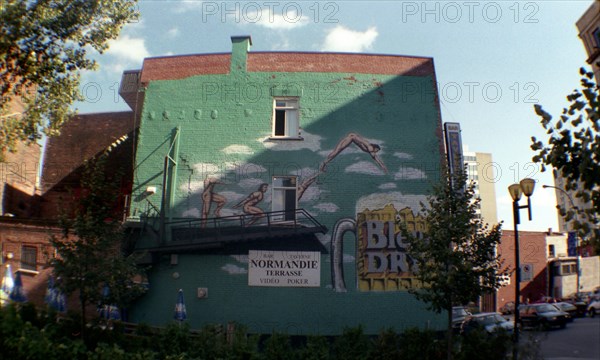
[[209, 196], [342, 226], [250, 202], [351, 138]]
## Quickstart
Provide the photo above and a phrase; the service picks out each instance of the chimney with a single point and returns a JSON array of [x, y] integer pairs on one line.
[[239, 53], [549, 231]]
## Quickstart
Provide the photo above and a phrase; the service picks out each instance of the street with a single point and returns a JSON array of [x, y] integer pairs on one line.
[[580, 340]]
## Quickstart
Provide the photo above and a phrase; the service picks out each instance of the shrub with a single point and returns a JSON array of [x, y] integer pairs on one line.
[[352, 344]]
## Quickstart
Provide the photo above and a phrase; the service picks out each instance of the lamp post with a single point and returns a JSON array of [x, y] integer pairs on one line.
[[576, 236], [526, 187]]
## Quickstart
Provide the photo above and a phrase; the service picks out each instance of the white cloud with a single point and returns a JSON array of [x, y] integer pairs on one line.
[[126, 52], [173, 33], [186, 6], [290, 19], [343, 39], [283, 44]]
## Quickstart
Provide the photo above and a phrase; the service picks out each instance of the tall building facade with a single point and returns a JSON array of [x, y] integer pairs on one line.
[[269, 187], [589, 32], [481, 171]]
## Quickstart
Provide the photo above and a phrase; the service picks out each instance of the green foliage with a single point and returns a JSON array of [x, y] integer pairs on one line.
[[455, 258], [352, 344], [478, 344], [174, 340], [317, 348], [90, 249], [48, 339], [421, 345], [277, 347], [456, 255], [44, 47], [387, 346], [573, 150]]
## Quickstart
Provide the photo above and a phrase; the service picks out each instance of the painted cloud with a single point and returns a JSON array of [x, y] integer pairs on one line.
[[408, 173], [364, 167], [234, 269], [238, 149], [327, 207], [401, 155]]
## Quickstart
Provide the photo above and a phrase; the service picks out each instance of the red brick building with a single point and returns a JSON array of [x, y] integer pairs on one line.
[[31, 207], [532, 249]]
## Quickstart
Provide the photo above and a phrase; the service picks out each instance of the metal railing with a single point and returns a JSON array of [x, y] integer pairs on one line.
[[212, 232]]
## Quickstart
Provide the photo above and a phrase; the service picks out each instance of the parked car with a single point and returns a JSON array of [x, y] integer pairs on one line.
[[542, 316], [491, 322], [594, 308], [459, 314], [508, 308], [581, 307], [568, 308]]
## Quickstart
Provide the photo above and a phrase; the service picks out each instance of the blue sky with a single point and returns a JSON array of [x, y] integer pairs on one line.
[[494, 60]]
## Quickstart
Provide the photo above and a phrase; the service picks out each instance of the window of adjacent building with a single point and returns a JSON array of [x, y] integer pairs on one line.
[[573, 269], [284, 197], [596, 35], [568, 269], [551, 251], [29, 258], [285, 118]]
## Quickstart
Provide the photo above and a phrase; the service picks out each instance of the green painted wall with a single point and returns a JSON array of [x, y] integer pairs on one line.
[[225, 123]]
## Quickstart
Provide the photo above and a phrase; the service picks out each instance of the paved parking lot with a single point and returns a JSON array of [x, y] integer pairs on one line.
[[580, 340]]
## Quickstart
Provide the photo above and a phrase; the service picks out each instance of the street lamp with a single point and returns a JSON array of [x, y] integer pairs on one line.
[[525, 187], [567, 224]]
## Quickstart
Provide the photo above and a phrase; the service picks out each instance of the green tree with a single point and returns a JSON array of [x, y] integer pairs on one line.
[[44, 46], [90, 251], [455, 258], [573, 150]]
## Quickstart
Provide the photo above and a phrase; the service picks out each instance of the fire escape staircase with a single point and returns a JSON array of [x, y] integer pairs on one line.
[[199, 234], [179, 235]]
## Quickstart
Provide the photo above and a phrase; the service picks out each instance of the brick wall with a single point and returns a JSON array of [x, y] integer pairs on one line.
[[532, 250], [84, 137], [17, 233]]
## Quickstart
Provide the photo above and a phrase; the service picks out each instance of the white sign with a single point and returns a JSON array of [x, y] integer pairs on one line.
[[284, 268], [526, 272]]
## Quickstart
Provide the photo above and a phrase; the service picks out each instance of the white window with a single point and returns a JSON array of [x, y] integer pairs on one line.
[[285, 118], [284, 197]]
